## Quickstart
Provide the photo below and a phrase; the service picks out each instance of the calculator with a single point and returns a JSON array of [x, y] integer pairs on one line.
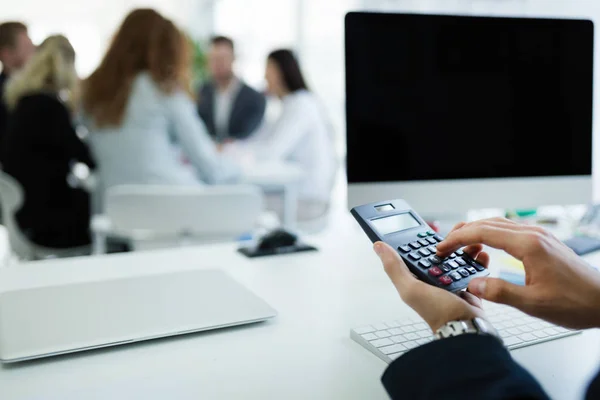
[[397, 224]]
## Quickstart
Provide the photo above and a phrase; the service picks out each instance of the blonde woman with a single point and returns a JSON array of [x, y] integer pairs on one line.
[[41, 145]]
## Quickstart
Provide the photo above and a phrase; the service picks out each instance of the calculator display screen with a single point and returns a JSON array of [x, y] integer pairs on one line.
[[395, 223]]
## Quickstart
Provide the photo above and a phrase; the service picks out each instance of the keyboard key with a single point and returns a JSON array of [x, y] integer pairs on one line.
[[551, 331], [430, 233], [392, 324], [399, 339], [411, 345], [365, 329], [444, 267], [504, 333], [438, 238], [514, 331], [471, 270], [415, 245], [421, 342], [411, 336], [380, 327], [424, 333], [510, 341], [414, 256], [540, 334], [456, 276], [395, 355], [404, 249], [459, 252], [527, 337], [525, 328], [423, 242], [461, 262], [381, 342], [422, 234], [560, 329], [424, 252], [395, 331], [435, 260], [369, 336], [395, 348], [463, 272], [445, 280], [424, 264], [435, 271], [382, 334], [432, 240], [409, 329], [452, 264], [453, 255]]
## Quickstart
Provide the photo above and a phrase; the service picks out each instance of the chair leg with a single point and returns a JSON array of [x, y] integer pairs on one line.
[[99, 243]]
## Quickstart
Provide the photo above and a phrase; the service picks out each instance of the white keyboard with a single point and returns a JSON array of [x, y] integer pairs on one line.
[[389, 340]]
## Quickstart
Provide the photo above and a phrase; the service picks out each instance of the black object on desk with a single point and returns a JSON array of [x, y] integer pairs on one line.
[[276, 242]]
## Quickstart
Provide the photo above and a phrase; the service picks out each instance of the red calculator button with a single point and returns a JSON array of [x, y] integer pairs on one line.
[[445, 280], [435, 271]]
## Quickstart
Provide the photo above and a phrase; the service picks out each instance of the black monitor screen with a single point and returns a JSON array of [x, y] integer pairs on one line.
[[449, 97]]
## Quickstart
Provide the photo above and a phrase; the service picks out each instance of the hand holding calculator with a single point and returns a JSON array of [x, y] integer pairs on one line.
[[395, 223]]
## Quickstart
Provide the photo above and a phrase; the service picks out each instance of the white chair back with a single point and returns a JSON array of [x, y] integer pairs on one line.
[[206, 213], [11, 200]]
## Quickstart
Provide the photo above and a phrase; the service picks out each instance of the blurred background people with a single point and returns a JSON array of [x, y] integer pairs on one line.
[[145, 128], [230, 108], [301, 135], [15, 49], [41, 146]]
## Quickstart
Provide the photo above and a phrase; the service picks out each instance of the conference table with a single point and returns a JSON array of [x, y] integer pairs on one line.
[[303, 353]]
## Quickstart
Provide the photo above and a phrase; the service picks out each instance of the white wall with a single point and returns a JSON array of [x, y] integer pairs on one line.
[[90, 25], [532, 8]]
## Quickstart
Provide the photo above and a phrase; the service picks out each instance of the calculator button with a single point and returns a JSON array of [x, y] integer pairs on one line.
[[430, 233], [444, 267], [432, 240], [445, 280], [456, 276], [471, 270], [438, 238], [459, 252], [453, 255], [423, 242], [461, 262], [422, 235], [424, 264], [414, 256], [432, 249], [435, 271], [463, 272], [453, 264], [435, 259], [424, 252], [415, 245], [404, 249], [476, 265]]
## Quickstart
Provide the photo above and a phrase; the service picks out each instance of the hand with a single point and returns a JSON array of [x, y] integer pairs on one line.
[[436, 306], [559, 286]]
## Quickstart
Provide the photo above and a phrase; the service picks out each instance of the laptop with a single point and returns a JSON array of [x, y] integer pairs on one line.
[[64, 318]]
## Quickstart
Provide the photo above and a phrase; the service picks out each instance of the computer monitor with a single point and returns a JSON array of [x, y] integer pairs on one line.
[[453, 113]]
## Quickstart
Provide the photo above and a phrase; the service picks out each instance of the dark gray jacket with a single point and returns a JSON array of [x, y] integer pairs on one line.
[[247, 111]]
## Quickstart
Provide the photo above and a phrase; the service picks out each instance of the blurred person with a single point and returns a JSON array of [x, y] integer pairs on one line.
[[15, 49], [301, 135], [41, 146], [560, 288], [144, 125], [230, 108]]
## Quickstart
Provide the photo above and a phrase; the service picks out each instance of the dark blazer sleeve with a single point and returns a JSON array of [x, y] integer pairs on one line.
[[206, 107], [67, 139], [248, 113], [461, 367]]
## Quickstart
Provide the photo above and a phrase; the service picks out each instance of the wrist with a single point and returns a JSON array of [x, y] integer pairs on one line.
[[475, 325]]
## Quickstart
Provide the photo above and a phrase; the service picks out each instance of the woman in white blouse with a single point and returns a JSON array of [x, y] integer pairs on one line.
[[300, 135]]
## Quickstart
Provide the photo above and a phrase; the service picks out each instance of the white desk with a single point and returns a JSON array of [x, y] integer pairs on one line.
[[304, 353], [282, 178]]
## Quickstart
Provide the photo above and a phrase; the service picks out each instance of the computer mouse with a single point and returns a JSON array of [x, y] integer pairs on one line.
[[277, 239]]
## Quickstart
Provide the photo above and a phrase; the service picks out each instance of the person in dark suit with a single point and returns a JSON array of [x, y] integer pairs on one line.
[[230, 108], [41, 146], [561, 288], [15, 49]]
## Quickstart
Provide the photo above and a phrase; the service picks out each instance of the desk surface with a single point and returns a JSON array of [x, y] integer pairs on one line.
[[304, 353]]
